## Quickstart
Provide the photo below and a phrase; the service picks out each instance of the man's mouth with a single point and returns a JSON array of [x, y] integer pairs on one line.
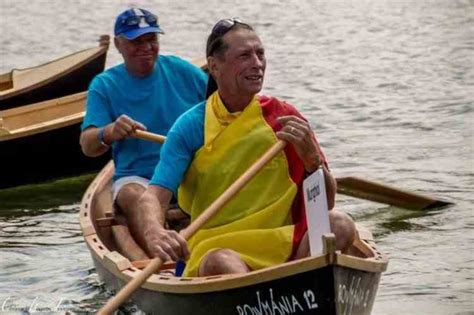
[[255, 78]]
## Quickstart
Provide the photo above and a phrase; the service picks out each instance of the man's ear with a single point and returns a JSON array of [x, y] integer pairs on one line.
[[117, 43], [212, 65]]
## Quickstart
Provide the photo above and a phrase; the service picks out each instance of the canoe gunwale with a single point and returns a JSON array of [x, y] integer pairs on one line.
[[12, 92]]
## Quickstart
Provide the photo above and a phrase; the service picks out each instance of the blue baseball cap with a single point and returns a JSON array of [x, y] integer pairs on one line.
[[135, 22]]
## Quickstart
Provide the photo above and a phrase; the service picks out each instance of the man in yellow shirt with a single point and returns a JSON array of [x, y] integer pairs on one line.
[[211, 145]]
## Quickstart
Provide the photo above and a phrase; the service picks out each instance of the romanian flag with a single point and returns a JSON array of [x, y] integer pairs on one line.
[[265, 221]]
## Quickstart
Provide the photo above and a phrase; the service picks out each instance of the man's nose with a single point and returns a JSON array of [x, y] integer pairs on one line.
[[146, 45], [257, 60]]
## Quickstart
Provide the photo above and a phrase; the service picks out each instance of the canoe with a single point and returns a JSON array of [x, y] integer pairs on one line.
[[60, 77], [40, 142], [332, 283]]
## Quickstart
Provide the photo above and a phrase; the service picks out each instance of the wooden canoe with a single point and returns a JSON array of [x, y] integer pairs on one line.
[[39, 142], [61, 77], [332, 283]]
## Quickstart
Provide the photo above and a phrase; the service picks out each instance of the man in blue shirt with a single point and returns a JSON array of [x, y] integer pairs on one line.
[[147, 92]]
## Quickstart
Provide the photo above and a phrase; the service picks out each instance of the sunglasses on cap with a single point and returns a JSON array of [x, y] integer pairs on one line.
[[133, 20]]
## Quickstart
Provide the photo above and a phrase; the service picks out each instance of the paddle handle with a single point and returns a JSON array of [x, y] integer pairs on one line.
[[123, 295], [156, 263], [146, 135]]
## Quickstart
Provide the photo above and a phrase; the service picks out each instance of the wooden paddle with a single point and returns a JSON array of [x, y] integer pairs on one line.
[[124, 294], [369, 190], [360, 188], [146, 135]]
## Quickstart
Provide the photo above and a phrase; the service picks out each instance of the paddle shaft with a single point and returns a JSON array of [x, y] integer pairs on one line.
[[232, 189], [124, 294], [145, 135]]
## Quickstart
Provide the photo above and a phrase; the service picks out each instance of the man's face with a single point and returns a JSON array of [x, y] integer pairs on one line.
[[140, 53], [240, 73]]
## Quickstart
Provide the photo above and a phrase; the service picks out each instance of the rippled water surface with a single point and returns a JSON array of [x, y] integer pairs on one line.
[[387, 85]]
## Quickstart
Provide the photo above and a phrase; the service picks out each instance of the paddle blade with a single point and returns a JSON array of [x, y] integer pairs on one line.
[[365, 189]]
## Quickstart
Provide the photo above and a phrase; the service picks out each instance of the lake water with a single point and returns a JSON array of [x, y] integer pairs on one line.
[[387, 85]]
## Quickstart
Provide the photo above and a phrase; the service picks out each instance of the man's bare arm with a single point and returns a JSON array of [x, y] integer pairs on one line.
[[96, 141], [147, 222], [90, 144]]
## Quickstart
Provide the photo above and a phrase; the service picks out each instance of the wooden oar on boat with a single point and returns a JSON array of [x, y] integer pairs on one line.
[[369, 190], [359, 188], [124, 294]]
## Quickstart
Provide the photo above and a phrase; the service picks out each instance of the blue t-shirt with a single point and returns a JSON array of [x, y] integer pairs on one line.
[[156, 101], [184, 139]]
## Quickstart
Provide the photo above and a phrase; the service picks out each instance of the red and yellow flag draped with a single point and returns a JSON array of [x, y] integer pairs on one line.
[[265, 221]]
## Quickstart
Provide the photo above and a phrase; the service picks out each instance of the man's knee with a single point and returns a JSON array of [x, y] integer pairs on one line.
[[129, 195], [344, 228], [222, 261]]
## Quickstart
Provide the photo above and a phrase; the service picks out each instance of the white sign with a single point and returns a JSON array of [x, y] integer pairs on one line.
[[316, 204]]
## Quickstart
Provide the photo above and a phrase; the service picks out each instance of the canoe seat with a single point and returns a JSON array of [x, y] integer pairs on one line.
[[107, 221], [124, 242]]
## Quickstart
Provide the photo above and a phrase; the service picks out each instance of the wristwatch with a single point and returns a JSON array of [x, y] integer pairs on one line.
[[100, 137]]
